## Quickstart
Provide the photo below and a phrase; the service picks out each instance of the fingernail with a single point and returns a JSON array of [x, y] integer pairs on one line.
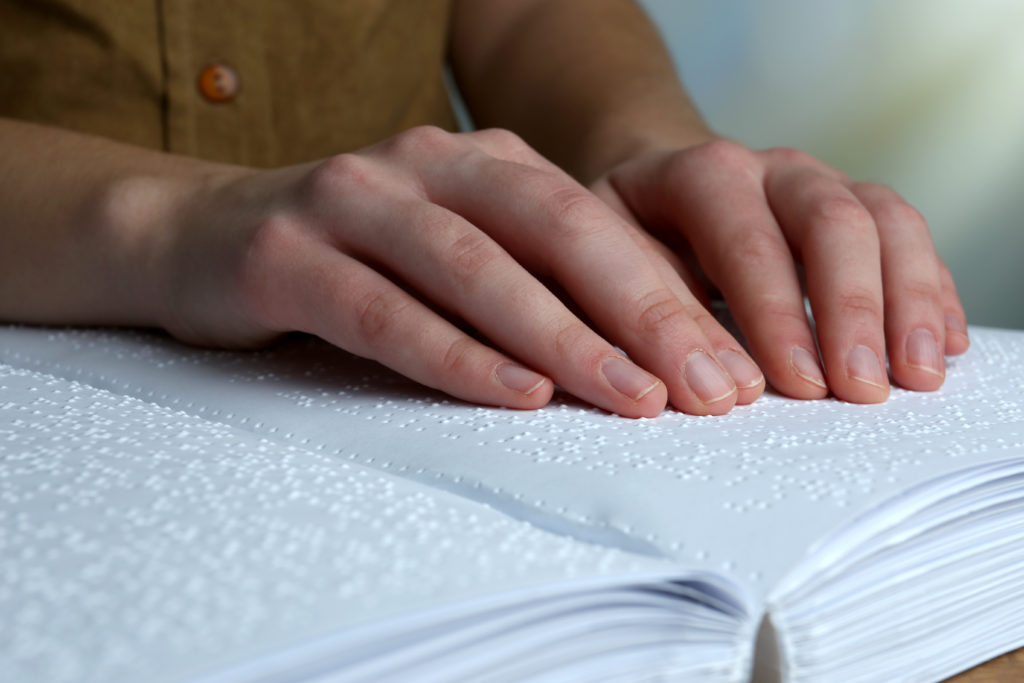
[[744, 373], [707, 380], [923, 352], [805, 364], [954, 324], [518, 378], [862, 365], [627, 378]]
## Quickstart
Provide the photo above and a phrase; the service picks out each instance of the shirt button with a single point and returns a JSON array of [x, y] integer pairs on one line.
[[219, 83]]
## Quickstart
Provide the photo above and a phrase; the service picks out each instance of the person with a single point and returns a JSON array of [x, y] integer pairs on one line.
[[573, 240]]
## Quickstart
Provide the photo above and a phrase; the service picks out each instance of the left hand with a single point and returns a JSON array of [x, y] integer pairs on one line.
[[877, 288]]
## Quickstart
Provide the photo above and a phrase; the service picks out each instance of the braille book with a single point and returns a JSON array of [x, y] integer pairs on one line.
[[178, 514]]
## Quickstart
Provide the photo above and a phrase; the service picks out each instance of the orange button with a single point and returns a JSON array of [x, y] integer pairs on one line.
[[219, 83]]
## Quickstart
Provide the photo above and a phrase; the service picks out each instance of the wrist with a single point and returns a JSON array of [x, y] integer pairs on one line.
[[627, 135], [143, 223]]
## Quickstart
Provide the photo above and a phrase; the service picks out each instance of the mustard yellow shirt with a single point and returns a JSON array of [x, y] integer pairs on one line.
[[298, 79]]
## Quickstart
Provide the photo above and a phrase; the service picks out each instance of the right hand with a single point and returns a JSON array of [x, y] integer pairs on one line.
[[379, 250]]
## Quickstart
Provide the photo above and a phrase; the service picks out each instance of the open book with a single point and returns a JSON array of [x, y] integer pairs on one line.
[[168, 513]]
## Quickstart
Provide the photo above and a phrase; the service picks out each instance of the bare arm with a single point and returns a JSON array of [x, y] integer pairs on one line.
[[82, 220]]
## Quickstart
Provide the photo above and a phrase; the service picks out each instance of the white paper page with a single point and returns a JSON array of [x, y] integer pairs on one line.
[[142, 543], [746, 494]]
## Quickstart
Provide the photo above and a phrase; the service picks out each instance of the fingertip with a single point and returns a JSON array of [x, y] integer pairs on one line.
[[522, 388], [709, 389], [650, 405], [747, 395], [918, 379], [747, 377], [858, 391], [720, 406], [862, 379], [539, 397], [957, 341], [807, 379], [797, 375], [645, 395], [921, 366]]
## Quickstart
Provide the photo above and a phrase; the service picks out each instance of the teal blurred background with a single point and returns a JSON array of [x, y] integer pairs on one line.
[[926, 96]]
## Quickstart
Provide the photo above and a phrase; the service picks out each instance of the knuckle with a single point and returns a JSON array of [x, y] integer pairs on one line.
[[755, 250], [468, 255], [872, 189], [256, 277], [570, 339], [704, 320], [658, 311], [340, 174], [782, 313], [273, 234], [457, 360], [859, 304], [928, 293], [901, 215], [376, 315], [725, 154], [505, 139], [576, 214], [423, 141], [718, 156], [841, 211], [791, 156]]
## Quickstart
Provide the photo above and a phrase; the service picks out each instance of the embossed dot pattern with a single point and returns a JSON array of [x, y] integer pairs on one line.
[[746, 493], [136, 537]]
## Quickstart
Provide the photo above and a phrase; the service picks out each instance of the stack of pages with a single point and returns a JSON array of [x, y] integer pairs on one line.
[[171, 514]]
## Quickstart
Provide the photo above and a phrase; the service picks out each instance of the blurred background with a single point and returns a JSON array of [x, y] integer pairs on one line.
[[926, 96]]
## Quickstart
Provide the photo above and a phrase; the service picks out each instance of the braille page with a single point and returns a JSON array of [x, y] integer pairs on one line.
[[141, 543], [747, 494]]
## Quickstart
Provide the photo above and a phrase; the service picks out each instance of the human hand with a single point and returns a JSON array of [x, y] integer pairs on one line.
[[385, 251], [876, 286]]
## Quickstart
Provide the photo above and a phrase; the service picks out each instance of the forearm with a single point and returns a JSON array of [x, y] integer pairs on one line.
[[589, 83], [82, 226]]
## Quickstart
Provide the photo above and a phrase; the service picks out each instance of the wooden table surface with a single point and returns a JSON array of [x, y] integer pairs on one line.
[[1006, 669]]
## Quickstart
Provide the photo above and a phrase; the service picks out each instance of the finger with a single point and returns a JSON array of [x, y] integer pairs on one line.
[[749, 380], [505, 145], [555, 227], [604, 191], [957, 341], [744, 254], [839, 245], [787, 157], [460, 268], [915, 328], [341, 300]]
